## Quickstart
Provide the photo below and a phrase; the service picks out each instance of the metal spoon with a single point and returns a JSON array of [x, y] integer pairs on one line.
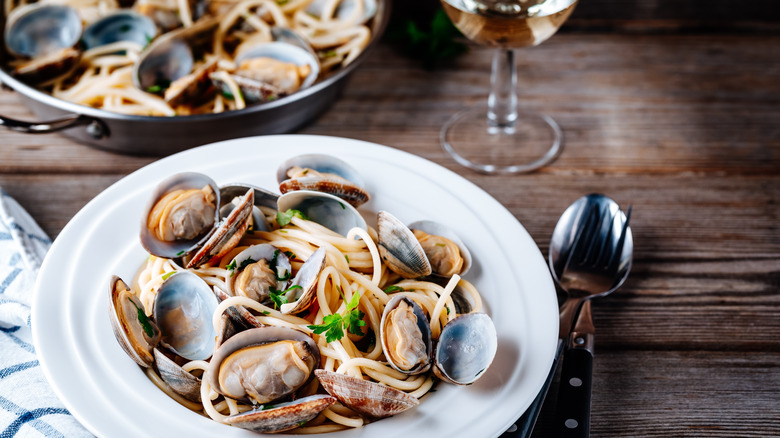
[[590, 255]]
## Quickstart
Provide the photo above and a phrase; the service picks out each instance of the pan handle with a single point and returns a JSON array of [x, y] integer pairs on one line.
[[95, 127]]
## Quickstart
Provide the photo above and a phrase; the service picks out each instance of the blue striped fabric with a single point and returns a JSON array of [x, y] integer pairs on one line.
[[28, 405]]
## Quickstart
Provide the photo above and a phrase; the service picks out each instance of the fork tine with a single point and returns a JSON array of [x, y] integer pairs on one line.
[[622, 239], [577, 245], [581, 251], [602, 258]]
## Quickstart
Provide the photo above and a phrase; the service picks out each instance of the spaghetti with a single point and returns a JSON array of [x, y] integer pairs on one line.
[[353, 266], [103, 75]]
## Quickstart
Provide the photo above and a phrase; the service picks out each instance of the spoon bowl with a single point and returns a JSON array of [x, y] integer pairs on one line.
[[591, 253]]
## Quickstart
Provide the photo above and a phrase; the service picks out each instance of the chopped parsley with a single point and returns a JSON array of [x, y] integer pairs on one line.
[[328, 54], [290, 255], [441, 244], [180, 253], [346, 257], [144, 320], [167, 275], [279, 297], [265, 312], [284, 218], [333, 325], [393, 288]]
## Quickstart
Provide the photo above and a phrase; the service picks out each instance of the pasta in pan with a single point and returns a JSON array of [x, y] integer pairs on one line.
[[315, 331], [334, 32]]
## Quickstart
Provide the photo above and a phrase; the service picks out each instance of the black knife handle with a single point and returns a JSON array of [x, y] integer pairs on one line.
[[573, 413]]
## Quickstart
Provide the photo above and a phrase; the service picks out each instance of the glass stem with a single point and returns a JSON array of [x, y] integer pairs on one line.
[[502, 103]]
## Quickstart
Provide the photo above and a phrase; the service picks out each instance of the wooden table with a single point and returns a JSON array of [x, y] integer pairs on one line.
[[686, 127]]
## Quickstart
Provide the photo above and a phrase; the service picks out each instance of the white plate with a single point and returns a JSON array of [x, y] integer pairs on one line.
[[111, 396]]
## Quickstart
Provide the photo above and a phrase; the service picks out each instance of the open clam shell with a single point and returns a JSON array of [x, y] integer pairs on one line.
[[262, 197], [346, 10], [269, 70], [325, 209], [436, 258], [227, 233], [263, 364], [283, 416], [368, 398], [400, 249], [183, 310], [300, 298], [122, 25], [466, 348], [47, 35], [182, 382], [170, 57], [405, 334], [136, 333], [41, 29], [182, 247], [256, 283], [322, 173]]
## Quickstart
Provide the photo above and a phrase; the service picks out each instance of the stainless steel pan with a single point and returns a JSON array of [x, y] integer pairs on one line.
[[146, 135]]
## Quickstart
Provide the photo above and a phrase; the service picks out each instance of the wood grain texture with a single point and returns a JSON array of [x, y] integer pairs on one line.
[[686, 128]]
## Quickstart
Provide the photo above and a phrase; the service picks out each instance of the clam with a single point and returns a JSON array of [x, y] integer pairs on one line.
[[368, 398], [259, 269], [183, 310], [181, 215], [421, 249], [282, 416], [400, 249], [346, 10], [182, 382], [165, 13], [262, 198], [445, 251], [139, 336], [123, 25], [262, 269], [269, 70], [170, 57], [136, 333], [228, 232], [322, 173], [325, 209], [301, 297], [263, 364], [46, 34], [466, 348], [405, 334]]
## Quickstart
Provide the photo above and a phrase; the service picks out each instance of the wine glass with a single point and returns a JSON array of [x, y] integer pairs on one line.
[[510, 140]]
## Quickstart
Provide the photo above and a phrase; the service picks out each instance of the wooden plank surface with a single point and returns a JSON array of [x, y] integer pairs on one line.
[[684, 127]]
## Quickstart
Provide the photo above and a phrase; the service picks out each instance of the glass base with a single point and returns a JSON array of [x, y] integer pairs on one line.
[[476, 142]]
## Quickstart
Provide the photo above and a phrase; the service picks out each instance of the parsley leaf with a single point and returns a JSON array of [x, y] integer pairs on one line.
[[284, 218], [393, 288], [144, 320], [333, 325], [167, 274], [279, 297]]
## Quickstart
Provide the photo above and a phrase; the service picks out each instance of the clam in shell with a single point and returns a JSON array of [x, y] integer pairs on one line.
[[406, 336], [368, 398], [263, 364], [322, 173], [283, 416]]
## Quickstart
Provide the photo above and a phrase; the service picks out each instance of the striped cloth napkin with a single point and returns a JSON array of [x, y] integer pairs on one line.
[[28, 405]]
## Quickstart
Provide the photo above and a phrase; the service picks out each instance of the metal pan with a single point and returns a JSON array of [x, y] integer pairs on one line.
[[147, 135]]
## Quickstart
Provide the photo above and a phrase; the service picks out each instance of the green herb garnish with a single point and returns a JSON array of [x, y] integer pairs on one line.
[[279, 297], [393, 288], [333, 325], [180, 253], [290, 255], [346, 257], [167, 274], [144, 320], [284, 218]]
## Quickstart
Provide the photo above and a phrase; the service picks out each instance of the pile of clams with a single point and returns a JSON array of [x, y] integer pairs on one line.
[[193, 220]]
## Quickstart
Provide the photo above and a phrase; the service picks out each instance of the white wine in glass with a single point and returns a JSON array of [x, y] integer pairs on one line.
[[509, 140]]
